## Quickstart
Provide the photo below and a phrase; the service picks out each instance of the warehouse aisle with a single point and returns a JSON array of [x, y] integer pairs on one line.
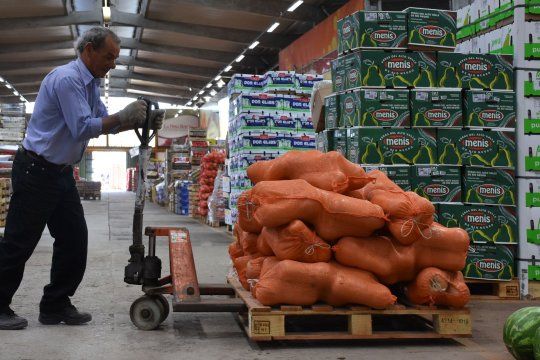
[[190, 336]]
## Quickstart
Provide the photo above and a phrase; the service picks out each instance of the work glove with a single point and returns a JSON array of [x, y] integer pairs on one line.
[[133, 114], [156, 119]]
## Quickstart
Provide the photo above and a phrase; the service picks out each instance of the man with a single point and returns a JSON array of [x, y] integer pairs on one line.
[[68, 112]]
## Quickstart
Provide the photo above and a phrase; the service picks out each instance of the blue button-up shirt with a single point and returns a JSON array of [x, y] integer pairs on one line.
[[67, 114]]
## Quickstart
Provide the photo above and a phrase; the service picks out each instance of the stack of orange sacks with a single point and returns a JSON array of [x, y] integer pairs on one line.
[[318, 228], [209, 167]]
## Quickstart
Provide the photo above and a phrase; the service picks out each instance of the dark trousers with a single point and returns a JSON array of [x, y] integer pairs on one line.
[[43, 195]]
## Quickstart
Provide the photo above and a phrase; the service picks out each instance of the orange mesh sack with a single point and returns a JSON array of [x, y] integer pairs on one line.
[[297, 283], [240, 265], [262, 246], [433, 286], [328, 171], [392, 262], [248, 241], [235, 250], [297, 242], [246, 218], [253, 268], [379, 181], [277, 203]]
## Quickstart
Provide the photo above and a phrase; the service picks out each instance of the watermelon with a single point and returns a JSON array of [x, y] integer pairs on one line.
[[537, 345], [520, 331]]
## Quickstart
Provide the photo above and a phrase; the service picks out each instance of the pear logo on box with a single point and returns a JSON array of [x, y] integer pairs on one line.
[[490, 115], [432, 32], [385, 114], [436, 190], [398, 142], [383, 36], [490, 190], [489, 265], [476, 143], [437, 115], [479, 219]]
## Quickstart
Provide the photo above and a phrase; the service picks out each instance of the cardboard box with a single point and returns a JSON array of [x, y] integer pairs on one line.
[[527, 83], [489, 109], [437, 183], [294, 104], [529, 193], [392, 146], [325, 141], [476, 148], [489, 262], [485, 224], [245, 84], [339, 79], [528, 115], [349, 103], [347, 33], [483, 185], [332, 111], [526, 41], [436, 107], [529, 224], [384, 107], [397, 69], [475, 71], [304, 83], [382, 29], [431, 28], [280, 81], [340, 141], [399, 174], [528, 156], [256, 104], [352, 63]]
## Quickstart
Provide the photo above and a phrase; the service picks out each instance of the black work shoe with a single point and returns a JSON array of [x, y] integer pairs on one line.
[[10, 321], [68, 315]]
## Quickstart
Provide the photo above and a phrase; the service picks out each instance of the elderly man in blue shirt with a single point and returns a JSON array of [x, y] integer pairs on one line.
[[67, 114]]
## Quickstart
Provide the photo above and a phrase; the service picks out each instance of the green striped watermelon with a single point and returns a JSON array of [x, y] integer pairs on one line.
[[520, 331], [537, 345]]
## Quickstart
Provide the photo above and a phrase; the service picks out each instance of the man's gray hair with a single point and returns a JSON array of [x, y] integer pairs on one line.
[[95, 36]]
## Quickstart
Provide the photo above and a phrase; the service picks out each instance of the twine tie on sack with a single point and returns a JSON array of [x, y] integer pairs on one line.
[[417, 224], [311, 249]]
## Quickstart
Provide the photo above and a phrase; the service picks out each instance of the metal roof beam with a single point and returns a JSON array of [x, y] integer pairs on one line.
[[186, 69], [124, 84], [41, 46], [74, 18], [212, 32], [34, 64], [183, 83], [165, 99]]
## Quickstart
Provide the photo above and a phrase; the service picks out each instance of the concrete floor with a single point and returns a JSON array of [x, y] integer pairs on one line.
[[111, 334]]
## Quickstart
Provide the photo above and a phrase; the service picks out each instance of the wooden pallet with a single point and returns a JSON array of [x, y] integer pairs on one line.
[[493, 290], [324, 322]]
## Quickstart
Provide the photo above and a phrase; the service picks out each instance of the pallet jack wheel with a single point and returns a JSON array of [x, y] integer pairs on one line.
[[166, 308], [146, 312]]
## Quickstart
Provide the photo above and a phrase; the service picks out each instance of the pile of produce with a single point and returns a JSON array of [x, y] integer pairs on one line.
[[318, 228], [209, 168], [521, 333]]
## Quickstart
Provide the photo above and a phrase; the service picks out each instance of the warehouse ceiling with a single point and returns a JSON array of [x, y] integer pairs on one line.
[[170, 50]]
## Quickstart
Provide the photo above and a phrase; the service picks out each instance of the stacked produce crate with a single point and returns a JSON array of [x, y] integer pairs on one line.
[[440, 123], [268, 116], [12, 129], [5, 195], [513, 28]]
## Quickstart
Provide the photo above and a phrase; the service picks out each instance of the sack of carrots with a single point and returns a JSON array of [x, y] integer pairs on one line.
[[318, 228]]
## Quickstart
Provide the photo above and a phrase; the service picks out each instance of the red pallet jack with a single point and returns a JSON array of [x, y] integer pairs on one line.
[[151, 309]]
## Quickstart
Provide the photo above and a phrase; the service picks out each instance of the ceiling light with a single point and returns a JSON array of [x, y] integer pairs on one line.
[[107, 80], [106, 14], [189, 103], [207, 98], [22, 99], [8, 86], [209, 85], [220, 84], [254, 45], [1, 79], [240, 58], [176, 115], [201, 92], [217, 78], [273, 27], [190, 89], [213, 92], [16, 93], [195, 98], [295, 5], [228, 68]]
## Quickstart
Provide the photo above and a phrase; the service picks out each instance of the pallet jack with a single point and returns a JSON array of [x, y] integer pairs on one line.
[[151, 309]]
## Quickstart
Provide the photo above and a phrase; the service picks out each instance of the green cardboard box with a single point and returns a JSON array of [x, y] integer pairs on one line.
[[384, 107], [485, 224], [347, 33], [393, 146], [397, 69], [436, 108], [431, 28], [332, 111], [487, 109], [437, 183], [475, 71], [340, 141], [352, 63], [476, 148], [337, 68], [399, 174], [489, 262], [325, 140], [349, 103], [482, 185], [386, 29]]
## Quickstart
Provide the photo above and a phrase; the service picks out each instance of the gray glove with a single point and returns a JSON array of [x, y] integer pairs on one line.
[[156, 119], [133, 114]]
